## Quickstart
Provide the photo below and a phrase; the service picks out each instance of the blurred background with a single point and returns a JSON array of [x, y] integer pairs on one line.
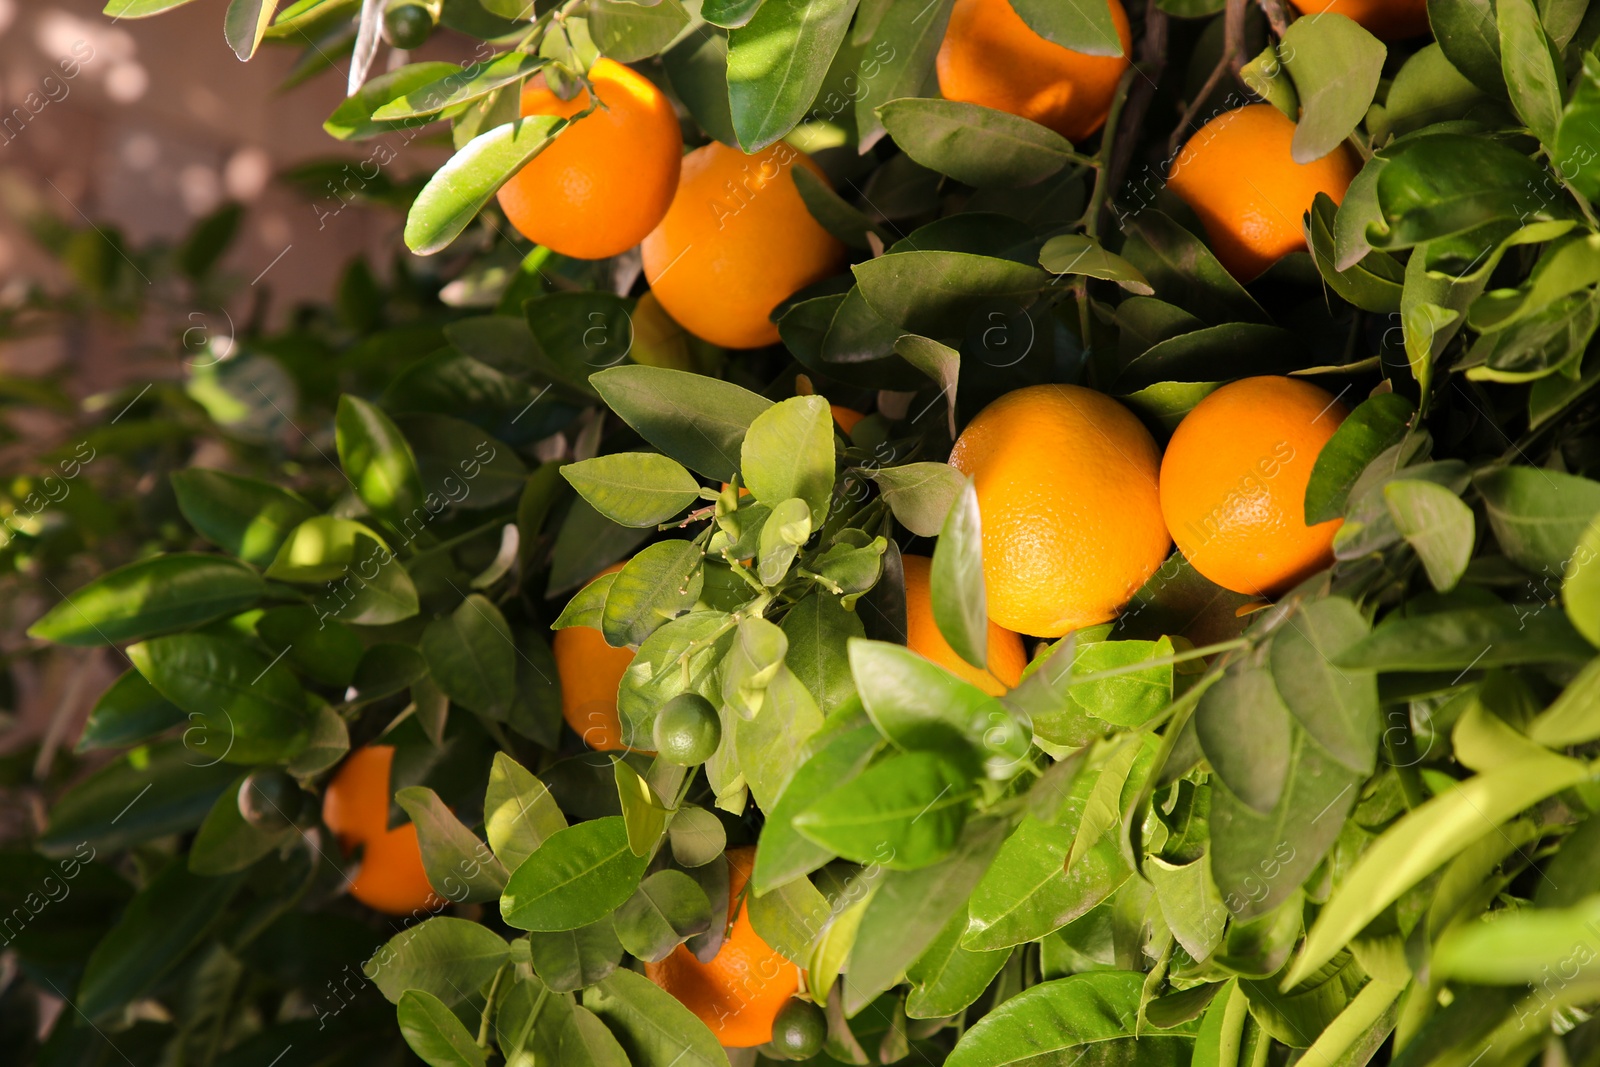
[[184, 255]]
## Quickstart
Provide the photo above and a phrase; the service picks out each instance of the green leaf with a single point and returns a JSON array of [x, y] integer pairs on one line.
[[758, 652], [471, 656], [628, 32], [318, 550], [1516, 947], [666, 910], [352, 119], [460, 867], [1337, 707], [700, 422], [1086, 1015], [577, 876], [1580, 592], [1538, 516], [245, 708], [1259, 861], [1532, 67], [242, 516], [839, 754], [1336, 66], [1573, 150], [377, 459], [934, 293], [819, 629], [1243, 728], [435, 1034], [569, 960], [152, 596], [976, 145], [768, 746], [652, 1027], [1467, 32], [908, 909], [903, 813], [789, 452], [466, 84], [128, 712], [637, 489], [226, 843], [165, 790], [586, 1042], [697, 836], [776, 64], [139, 9], [457, 190], [160, 926], [1376, 424], [1573, 718], [1073, 253], [920, 494], [917, 704], [660, 583], [446, 957], [1500, 636], [244, 24], [643, 813], [1085, 27], [948, 978], [1447, 184], [374, 588], [1422, 841], [459, 464], [1439, 527], [519, 814], [1183, 271], [1374, 283], [901, 43], [960, 603]]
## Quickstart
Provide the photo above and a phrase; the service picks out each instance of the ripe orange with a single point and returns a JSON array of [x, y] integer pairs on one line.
[[747, 982], [1067, 490], [355, 807], [590, 672], [736, 241], [1006, 657], [991, 57], [1239, 177], [1233, 483], [846, 418], [1391, 20], [608, 178]]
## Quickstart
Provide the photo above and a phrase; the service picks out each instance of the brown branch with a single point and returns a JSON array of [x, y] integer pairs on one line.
[[1278, 15], [1233, 59], [1152, 64]]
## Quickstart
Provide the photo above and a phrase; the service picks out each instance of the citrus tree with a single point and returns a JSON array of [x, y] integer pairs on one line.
[[980, 532]]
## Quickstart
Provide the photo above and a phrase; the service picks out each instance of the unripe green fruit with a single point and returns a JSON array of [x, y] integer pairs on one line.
[[799, 1029], [687, 730], [270, 800], [407, 25]]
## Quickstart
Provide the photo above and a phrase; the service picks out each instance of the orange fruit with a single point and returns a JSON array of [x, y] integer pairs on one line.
[[846, 418], [736, 242], [1239, 177], [355, 806], [989, 56], [747, 982], [391, 879], [1233, 483], [590, 672], [607, 179], [1006, 656], [1391, 20], [1071, 512]]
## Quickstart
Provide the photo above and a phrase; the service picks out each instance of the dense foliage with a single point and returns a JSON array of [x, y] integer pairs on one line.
[[1351, 825]]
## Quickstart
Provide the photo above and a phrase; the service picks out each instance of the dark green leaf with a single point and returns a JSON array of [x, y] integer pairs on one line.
[[463, 85], [150, 597], [1335, 65], [903, 813], [447, 957], [960, 602], [652, 1027], [165, 790], [1538, 515], [1532, 67], [471, 656], [245, 708], [936, 294], [1376, 424], [698, 421], [128, 712], [628, 32], [1339, 708], [227, 843], [638, 489], [1465, 638], [660, 583], [1085, 27], [975, 145], [460, 867], [666, 910], [569, 960], [920, 494], [435, 1034], [1077, 254], [241, 516]]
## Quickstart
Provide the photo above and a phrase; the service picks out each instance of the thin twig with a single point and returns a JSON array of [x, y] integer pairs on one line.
[[1278, 15], [1233, 59]]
